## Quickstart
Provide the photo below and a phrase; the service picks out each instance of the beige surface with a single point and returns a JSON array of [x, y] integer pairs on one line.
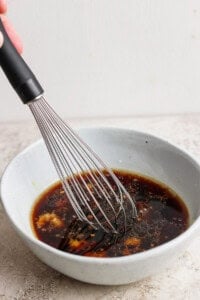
[[23, 276]]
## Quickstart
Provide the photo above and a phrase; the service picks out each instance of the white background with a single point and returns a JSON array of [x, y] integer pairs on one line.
[[109, 57]]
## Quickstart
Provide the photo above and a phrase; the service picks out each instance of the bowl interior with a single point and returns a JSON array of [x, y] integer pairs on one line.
[[32, 171]]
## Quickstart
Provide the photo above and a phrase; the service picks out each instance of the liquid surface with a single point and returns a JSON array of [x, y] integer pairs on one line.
[[162, 216]]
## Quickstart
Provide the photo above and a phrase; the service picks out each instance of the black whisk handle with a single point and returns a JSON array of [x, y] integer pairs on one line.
[[17, 71]]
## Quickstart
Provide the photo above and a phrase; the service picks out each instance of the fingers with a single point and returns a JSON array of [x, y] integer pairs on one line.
[[12, 33], [3, 6], [9, 28]]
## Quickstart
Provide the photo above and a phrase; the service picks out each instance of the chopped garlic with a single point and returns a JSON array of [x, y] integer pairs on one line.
[[49, 218], [132, 241]]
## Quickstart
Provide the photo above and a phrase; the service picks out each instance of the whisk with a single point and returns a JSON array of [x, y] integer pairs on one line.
[[69, 153]]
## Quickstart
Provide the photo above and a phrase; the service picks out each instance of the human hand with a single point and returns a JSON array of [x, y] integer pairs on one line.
[[9, 28]]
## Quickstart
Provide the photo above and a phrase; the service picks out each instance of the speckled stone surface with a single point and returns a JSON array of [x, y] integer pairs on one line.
[[23, 276]]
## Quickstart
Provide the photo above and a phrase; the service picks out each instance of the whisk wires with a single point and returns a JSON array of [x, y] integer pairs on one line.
[[88, 191]]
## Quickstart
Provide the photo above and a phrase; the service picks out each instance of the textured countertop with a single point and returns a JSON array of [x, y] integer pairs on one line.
[[23, 276]]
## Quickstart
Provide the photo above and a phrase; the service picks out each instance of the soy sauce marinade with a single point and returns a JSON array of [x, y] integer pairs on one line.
[[162, 216]]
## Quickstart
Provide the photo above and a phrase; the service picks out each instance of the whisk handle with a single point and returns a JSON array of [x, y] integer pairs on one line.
[[17, 71]]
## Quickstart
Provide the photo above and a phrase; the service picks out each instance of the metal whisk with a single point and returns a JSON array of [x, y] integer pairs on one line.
[[72, 156], [97, 196]]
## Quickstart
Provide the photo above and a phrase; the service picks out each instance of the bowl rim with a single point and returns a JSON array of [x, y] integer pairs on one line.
[[150, 253]]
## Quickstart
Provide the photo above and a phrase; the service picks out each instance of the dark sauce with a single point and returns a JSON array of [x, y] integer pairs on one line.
[[162, 216]]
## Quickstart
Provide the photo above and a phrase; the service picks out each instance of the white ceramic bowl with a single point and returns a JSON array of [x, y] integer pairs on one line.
[[32, 171]]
